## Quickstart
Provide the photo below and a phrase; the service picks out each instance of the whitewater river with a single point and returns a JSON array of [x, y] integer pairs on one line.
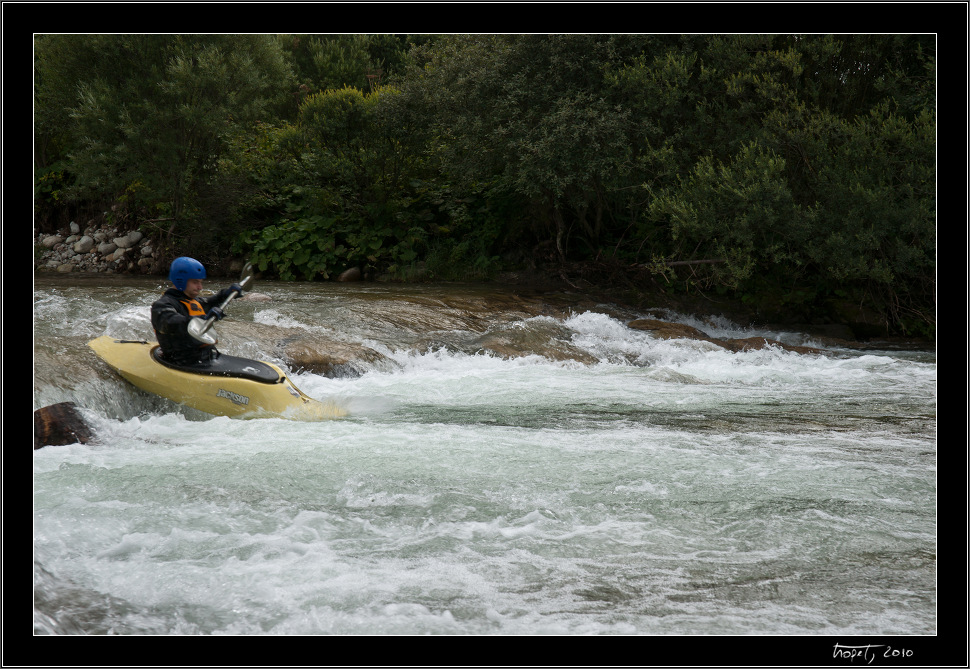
[[594, 481]]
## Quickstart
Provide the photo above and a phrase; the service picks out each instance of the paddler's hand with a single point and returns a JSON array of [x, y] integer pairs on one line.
[[216, 313], [236, 287]]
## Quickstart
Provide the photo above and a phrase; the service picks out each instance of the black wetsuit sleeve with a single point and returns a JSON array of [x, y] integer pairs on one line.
[[167, 319]]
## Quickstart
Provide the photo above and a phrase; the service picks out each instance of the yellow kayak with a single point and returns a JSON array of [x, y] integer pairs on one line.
[[230, 386]]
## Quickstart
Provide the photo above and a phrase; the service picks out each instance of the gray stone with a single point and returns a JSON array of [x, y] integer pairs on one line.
[[84, 245], [352, 274]]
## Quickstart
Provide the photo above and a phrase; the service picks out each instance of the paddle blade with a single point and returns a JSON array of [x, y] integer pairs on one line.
[[199, 329]]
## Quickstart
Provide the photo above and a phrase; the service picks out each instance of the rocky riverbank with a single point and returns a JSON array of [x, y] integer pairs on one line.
[[111, 250], [97, 249]]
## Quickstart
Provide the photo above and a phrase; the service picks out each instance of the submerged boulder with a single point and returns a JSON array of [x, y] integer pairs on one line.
[[547, 339], [757, 343], [333, 359], [665, 330], [302, 350], [256, 297]]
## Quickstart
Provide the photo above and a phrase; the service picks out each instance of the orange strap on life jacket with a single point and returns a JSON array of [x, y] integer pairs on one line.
[[195, 309]]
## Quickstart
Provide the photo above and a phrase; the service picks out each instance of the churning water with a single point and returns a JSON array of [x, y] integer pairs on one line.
[[630, 485]]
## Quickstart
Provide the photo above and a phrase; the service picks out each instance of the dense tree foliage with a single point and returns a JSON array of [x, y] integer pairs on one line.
[[785, 170], [149, 115]]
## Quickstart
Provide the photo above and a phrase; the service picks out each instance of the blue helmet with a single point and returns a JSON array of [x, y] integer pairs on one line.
[[184, 269]]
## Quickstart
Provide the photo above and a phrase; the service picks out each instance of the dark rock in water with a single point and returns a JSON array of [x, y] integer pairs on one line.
[[665, 330], [59, 425], [352, 274], [304, 351], [542, 339], [256, 297], [757, 343], [328, 358]]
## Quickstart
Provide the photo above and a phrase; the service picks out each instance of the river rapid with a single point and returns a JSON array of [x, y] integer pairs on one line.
[[593, 481]]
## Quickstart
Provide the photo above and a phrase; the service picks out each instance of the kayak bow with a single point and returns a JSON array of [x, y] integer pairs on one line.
[[230, 386]]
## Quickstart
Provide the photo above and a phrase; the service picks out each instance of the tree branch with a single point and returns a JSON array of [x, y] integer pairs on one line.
[[677, 263]]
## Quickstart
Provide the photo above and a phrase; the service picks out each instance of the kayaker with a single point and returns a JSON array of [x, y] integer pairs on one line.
[[172, 312]]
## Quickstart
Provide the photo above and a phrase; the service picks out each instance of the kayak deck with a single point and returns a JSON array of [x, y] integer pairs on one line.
[[230, 386], [226, 365]]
